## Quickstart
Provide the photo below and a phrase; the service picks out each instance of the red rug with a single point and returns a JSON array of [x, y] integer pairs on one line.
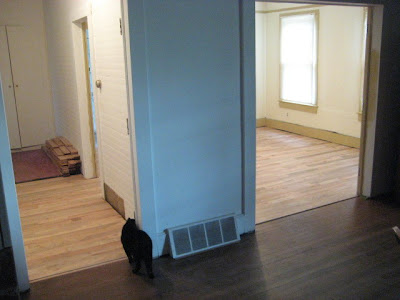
[[33, 165]]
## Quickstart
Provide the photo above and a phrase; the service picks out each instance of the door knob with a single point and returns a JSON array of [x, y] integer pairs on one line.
[[98, 83]]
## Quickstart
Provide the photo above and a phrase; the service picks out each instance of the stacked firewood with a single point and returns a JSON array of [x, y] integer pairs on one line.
[[64, 155]]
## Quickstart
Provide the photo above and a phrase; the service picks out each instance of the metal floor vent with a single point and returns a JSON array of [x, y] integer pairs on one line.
[[202, 236]]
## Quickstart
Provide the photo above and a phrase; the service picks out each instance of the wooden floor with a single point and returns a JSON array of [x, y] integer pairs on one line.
[[296, 173], [346, 250], [67, 226]]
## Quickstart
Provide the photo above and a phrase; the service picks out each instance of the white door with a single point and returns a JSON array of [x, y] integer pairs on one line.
[[29, 86], [8, 90], [109, 65]]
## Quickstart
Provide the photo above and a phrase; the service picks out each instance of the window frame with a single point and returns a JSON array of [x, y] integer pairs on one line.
[[364, 58], [312, 107]]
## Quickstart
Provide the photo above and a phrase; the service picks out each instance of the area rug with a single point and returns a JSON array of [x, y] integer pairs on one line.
[[33, 165]]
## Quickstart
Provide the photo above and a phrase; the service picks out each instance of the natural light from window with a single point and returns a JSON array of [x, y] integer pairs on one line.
[[298, 58]]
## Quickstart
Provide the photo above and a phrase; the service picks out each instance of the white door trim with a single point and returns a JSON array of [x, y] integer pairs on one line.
[[131, 115], [87, 151]]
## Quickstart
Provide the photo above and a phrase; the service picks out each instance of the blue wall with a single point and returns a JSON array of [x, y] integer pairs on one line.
[[188, 100], [9, 211]]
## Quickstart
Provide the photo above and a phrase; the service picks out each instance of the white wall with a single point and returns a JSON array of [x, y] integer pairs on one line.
[[108, 65], [29, 13], [339, 69]]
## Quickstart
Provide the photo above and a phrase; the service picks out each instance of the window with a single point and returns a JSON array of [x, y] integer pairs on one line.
[[298, 58]]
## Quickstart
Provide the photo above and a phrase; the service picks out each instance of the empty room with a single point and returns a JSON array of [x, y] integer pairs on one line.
[[310, 64]]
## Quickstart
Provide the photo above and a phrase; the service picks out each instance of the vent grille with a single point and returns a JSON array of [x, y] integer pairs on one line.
[[202, 236]]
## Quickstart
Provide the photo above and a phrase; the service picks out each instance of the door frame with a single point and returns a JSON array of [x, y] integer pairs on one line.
[[130, 103], [371, 86], [95, 161], [88, 152]]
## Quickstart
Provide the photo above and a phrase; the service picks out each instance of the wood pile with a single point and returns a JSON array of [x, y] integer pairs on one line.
[[64, 155]]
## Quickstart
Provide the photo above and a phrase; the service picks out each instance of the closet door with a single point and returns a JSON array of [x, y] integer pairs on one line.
[[8, 90], [28, 75]]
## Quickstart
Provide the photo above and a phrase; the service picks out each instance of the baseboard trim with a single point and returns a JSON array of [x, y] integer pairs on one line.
[[261, 122], [320, 134], [29, 148], [114, 200]]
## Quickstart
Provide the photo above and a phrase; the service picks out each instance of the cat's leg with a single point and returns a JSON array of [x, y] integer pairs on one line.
[[136, 265], [127, 252], [148, 261]]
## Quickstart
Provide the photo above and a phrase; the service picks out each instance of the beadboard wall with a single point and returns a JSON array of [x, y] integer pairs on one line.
[[109, 67]]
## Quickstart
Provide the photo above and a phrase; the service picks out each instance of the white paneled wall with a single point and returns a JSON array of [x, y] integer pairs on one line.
[[112, 97], [108, 62]]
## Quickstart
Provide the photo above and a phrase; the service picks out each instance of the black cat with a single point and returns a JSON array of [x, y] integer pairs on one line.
[[138, 246]]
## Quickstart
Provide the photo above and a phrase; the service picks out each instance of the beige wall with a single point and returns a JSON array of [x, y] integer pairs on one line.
[[339, 69], [108, 62], [29, 13]]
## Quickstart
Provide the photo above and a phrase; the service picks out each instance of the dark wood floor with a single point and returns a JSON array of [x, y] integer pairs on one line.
[[346, 250]]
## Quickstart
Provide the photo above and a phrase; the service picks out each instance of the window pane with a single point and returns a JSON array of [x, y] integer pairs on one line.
[[297, 39], [297, 83]]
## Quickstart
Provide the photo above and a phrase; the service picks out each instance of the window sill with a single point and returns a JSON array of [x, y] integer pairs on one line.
[[297, 106]]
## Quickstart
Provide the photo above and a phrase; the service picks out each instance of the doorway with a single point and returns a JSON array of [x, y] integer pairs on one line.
[[79, 110], [90, 100], [310, 65]]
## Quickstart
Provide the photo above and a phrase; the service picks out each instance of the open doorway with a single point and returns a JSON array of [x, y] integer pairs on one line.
[[66, 223], [310, 65]]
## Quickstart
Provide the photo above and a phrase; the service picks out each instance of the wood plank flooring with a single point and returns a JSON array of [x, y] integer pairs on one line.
[[296, 173], [67, 225], [346, 250]]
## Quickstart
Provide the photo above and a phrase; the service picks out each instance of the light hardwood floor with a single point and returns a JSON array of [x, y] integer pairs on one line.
[[67, 225], [296, 173]]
